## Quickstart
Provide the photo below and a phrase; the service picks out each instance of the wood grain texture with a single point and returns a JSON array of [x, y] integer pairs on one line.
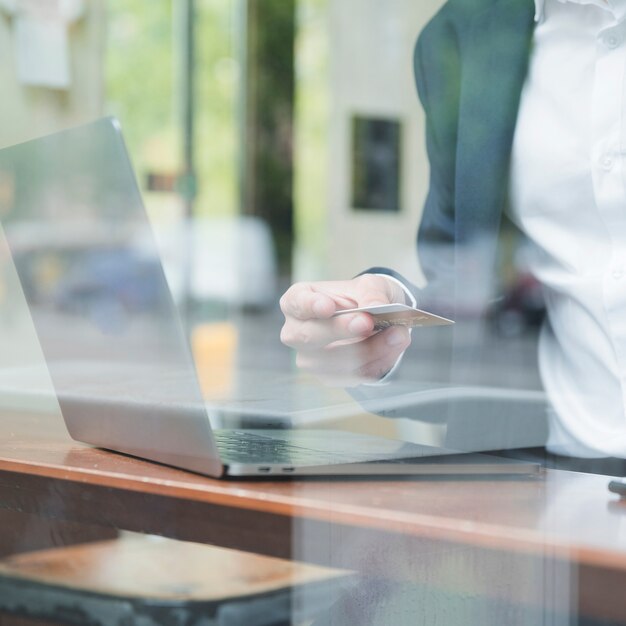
[[24, 533], [162, 569], [45, 472], [502, 535]]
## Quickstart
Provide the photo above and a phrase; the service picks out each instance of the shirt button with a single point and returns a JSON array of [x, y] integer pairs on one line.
[[611, 42], [618, 273], [607, 162]]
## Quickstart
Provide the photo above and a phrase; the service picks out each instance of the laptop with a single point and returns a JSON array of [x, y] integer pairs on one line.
[[88, 263]]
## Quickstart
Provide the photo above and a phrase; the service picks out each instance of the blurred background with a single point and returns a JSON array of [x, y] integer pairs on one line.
[[274, 141], [249, 108]]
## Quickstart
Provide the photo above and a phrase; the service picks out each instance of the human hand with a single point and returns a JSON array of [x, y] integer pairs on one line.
[[343, 350]]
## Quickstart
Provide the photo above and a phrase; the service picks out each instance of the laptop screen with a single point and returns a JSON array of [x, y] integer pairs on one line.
[[89, 266]]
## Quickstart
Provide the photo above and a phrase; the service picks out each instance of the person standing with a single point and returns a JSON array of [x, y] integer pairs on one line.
[[524, 112]]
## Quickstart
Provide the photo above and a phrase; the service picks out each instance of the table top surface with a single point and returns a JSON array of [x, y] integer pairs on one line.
[[564, 512]]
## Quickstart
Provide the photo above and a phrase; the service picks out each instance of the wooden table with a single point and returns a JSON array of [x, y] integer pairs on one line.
[[559, 537]]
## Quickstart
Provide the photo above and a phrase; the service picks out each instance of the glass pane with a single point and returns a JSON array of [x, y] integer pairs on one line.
[[196, 426]]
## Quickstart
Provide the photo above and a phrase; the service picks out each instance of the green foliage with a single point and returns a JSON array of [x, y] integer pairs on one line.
[[140, 78], [217, 77], [142, 89], [143, 65], [312, 135]]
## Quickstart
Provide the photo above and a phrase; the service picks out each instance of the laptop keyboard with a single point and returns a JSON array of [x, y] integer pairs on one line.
[[245, 447]]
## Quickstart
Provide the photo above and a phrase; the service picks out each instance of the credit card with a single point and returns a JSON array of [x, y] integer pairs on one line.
[[386, 315]]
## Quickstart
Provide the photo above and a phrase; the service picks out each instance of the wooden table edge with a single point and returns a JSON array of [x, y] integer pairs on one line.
[[230, 495]]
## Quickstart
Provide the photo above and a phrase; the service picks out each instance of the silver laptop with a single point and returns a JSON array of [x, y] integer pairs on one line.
[[89, 266]]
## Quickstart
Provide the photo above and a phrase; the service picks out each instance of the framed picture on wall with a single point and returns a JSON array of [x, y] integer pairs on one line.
[[376, 164]]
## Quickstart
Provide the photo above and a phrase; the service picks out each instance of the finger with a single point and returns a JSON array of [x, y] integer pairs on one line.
[[302, 302], [315, 334], [369, 359]]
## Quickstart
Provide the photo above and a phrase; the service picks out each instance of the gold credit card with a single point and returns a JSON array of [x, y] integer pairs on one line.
[[386, 315]]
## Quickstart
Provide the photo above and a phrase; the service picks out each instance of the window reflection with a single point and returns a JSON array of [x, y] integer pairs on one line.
[[280, 144]]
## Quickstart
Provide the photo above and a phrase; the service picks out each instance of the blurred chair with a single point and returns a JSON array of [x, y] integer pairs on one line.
[[151, 581]]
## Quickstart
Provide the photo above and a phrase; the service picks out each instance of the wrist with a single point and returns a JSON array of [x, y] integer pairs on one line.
[[400, 294]]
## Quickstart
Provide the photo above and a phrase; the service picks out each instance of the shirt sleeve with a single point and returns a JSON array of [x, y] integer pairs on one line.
[[412, 300], [410, 297]]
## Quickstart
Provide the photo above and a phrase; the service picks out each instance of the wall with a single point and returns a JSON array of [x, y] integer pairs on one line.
[[371, 73], [28, 112]]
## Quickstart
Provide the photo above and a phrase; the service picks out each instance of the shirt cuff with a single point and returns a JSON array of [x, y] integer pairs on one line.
[[413, 302], [409, 296]]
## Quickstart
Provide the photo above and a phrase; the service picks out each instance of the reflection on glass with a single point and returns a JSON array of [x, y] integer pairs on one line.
[[376, 164], [524, 255], [90, 270]]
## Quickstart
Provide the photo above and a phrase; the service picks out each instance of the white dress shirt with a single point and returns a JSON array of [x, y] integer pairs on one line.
[[568, 195]]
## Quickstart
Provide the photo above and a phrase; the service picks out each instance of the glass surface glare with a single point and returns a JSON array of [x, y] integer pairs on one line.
[[309, 156]]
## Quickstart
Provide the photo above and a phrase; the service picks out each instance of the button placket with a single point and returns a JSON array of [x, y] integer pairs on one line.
[[612, 37], [607, 162]]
